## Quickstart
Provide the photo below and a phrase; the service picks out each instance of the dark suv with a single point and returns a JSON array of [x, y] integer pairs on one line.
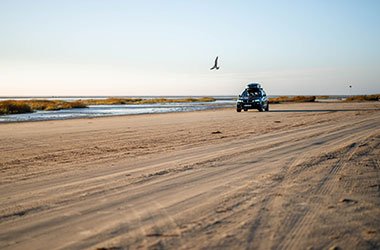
[[253, 97]]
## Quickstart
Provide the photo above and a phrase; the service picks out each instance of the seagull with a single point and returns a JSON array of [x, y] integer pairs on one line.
[[215, 64]]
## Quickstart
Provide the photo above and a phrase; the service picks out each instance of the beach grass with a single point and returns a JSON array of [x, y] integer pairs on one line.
[[53, 104], [12, 107], [323, 97], [28, 106], [113, 101], [282, 99], [363, 98]]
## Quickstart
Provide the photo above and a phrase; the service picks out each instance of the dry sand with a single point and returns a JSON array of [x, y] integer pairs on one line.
[[302, 176]]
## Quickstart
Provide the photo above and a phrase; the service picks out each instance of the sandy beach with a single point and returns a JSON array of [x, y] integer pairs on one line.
[[303, 176]]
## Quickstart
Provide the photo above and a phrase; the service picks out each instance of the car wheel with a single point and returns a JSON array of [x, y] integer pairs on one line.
[[267, 107], [238, 110], [260, 109], [245, 109]]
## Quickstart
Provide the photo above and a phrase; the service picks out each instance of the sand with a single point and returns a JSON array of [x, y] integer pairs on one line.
[[301, 176]]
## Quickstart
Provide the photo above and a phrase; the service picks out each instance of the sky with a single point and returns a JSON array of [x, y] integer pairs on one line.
[[124, 48]]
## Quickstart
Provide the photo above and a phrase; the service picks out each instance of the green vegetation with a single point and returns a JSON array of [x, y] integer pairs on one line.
[[52, 104], [323, 97], [281, 99], [356, 98], [28, 106], [112, 101], [361, 98], [12, 107]]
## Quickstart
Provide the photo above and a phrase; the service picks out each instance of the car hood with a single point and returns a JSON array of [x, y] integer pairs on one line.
[[256, 98]]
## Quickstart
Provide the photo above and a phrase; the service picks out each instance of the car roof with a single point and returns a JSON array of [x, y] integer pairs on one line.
[[254, 86]]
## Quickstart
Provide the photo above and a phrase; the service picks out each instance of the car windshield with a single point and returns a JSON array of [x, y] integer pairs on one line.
[[251, 93]]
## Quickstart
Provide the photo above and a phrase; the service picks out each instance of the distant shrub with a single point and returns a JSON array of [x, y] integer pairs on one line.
[[110, 101], [323, 97], [281, 99], [27, 106], [53, 104], [14, 107], [113, 101], [204, 99], [361, 98], [38, 104], [76, 104]]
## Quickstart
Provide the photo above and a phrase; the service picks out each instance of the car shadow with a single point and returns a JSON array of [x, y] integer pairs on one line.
[[319, 110]]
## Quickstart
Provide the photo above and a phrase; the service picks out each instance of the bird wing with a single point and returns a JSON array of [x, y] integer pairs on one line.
[[215, 64]]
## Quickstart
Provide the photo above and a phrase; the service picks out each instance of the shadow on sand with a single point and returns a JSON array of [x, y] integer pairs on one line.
[[319, 110]]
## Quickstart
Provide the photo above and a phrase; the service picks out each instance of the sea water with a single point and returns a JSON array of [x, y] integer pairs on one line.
[[114, 110]]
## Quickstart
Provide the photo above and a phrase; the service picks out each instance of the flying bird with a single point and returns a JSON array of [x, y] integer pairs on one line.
[[215, 64]]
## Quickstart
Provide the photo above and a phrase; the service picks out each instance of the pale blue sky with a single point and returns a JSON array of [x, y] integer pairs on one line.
[[167, 47]]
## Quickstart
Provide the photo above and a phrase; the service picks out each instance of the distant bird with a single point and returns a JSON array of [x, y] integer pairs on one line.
[[350, 86], [215, 64]]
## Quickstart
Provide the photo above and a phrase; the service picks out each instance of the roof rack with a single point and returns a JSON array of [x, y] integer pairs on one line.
[[254, 86]]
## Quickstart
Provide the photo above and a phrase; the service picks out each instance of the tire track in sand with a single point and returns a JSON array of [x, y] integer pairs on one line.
[[300, 222]]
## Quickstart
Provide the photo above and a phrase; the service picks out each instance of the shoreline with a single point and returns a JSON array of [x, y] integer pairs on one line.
[[110, 116], [9, 107], [113, 115], [187, 111]]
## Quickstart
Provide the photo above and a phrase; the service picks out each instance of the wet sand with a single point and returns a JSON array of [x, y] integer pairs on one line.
[[301, 176]]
